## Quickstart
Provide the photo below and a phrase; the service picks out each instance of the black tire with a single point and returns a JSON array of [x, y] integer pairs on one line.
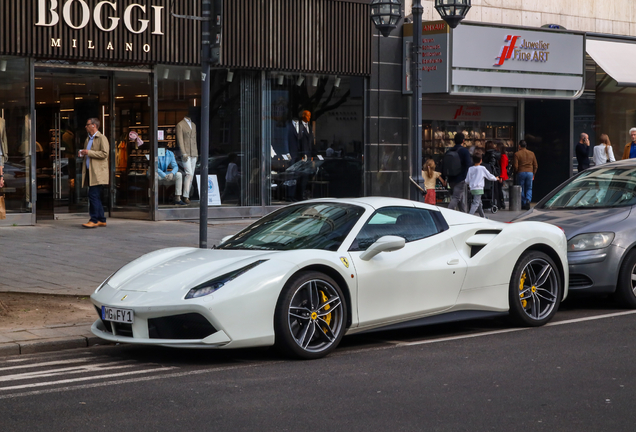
[[311, 316], [494, 209], [626, 286], [535, 291]]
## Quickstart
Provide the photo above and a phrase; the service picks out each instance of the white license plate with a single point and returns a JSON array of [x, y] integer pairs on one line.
[[117, 315]]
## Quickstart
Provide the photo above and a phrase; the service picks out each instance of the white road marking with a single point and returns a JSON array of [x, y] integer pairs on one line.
[[134, 380], [24, 386], [63, 371], [592, 318], [51, 363]]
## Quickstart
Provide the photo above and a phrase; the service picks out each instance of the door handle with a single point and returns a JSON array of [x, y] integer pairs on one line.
[[453, 261]]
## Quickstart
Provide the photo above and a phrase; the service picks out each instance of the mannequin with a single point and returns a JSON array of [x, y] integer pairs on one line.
[[306, 136], [293, 136], [187, 141]]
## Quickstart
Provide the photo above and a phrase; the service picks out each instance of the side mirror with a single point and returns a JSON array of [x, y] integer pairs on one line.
[[383, 244], [226, 238]]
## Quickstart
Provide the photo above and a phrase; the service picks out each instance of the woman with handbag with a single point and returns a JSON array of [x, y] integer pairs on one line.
[[603, 152]]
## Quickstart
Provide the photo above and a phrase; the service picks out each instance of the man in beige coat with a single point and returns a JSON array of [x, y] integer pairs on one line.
[[187, 141], [4, 151], [95, 154]]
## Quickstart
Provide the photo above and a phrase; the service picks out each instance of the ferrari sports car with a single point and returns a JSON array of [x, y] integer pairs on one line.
[[309, 273]]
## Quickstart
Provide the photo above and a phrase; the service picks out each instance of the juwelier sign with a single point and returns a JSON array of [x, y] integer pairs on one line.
[[140, 31], [513, 61], [499, 61]]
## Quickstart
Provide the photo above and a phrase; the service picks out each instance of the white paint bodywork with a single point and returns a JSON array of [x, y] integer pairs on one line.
[[426, 277]]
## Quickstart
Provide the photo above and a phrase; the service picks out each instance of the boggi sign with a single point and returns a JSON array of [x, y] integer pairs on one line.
[[48, 16], [107, 16]]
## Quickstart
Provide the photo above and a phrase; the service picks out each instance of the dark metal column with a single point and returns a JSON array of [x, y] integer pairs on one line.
[[205, 124], [416, 100]]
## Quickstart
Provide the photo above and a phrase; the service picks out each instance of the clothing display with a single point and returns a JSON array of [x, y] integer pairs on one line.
[[4, 151], [187, 138]]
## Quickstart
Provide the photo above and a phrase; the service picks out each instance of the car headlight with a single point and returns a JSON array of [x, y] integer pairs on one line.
[[107, 280], [583, 242], [214, 284]]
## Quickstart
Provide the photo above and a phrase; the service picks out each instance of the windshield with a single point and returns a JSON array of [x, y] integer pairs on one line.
[[599, 188], [306, 226]]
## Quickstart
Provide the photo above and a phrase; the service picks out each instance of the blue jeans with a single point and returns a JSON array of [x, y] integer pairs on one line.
[[525, 181], [95, 208]]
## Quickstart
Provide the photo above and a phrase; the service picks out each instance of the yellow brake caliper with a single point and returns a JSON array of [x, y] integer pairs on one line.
[[524, 303], [327, 307]]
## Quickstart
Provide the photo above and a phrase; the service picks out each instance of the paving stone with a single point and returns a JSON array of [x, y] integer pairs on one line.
[[20, 336]]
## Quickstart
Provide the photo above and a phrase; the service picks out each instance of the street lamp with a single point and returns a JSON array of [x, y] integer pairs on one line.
[[385, 20], [386, 14], [452, 11]]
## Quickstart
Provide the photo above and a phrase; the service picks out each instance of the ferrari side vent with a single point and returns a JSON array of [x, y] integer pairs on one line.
[[474, 250], [185, 326], [488, 231]]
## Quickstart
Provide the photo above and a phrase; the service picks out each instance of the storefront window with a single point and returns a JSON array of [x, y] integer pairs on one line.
[[178, 136], [15, 134], [314, 127], [615, 111]]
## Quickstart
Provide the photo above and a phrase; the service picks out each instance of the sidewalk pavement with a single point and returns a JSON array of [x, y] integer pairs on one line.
[[62, 257]]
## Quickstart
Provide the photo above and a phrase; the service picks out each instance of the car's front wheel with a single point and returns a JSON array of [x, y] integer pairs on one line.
[[626, 287], [535, 290], [311, 316]]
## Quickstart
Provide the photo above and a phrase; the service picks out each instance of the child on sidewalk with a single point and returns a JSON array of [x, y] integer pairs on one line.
[[430, 177], [475, 179]]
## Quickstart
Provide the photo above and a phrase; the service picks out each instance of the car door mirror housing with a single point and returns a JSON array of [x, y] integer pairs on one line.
[[387, 243]]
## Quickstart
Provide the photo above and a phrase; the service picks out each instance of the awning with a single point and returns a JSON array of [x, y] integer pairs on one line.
[[617, 59]]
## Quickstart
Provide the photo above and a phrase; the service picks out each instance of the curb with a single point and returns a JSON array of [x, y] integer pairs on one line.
[[49, 345]]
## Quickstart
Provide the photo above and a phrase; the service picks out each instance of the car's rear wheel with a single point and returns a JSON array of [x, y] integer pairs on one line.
[[535, 290], [311, 316], [626, 287]]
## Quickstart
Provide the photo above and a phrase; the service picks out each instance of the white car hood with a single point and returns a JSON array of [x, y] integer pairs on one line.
[[177, 269]]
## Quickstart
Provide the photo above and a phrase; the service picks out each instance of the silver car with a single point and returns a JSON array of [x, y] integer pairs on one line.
[[596, 210]]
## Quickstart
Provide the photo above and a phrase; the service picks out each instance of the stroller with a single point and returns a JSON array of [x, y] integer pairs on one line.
[[491, 189]]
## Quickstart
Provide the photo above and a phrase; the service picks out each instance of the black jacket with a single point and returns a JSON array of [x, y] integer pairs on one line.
[[293, 140], [305, 140], [582, 156]]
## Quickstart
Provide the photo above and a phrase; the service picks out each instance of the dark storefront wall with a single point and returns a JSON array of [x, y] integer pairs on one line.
[[548, 134]]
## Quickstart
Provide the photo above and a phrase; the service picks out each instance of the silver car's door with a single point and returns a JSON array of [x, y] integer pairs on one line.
[[423, 277]]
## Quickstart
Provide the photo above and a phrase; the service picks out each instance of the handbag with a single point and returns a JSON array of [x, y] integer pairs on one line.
[[3, 208]]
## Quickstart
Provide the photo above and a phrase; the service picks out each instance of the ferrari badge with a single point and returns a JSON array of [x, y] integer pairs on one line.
[[345, 262]]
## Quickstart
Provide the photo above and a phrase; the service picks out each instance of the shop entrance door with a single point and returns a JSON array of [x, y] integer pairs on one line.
[[64, 102]]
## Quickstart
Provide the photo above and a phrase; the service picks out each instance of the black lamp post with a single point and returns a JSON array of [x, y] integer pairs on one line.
[[384, 18], [452, 11], [386, 14]]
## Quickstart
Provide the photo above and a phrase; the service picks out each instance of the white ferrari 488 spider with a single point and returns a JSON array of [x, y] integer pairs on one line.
[[309, 273]]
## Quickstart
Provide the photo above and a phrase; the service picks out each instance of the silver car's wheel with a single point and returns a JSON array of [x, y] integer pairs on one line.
[[535, 289], [626, 287], [311, 316]]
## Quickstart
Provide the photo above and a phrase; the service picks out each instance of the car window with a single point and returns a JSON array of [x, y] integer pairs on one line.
[[306, 226], [407, 222], [597, 188]]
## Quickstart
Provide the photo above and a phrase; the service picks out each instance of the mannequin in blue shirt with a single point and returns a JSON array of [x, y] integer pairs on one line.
[[168, 173]]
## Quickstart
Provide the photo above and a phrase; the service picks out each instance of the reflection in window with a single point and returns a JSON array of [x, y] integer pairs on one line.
[[410, 223], [314, 125], [15, 135], [305, 226]]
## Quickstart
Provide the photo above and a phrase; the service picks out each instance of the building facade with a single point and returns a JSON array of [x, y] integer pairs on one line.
[[508, 102], [287, 104]]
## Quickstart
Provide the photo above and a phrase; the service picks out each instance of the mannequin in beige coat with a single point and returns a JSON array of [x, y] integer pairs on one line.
[[95, 159], [187, 141]]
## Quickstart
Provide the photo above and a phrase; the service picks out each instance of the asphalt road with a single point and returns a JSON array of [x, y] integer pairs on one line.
[[575, 374]]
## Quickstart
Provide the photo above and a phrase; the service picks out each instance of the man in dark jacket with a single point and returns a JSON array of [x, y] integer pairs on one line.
[[458, 183], [582, 151]]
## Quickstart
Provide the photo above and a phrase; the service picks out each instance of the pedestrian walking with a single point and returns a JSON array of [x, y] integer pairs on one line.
[[630, 148], [455, 166], [582, 151], [95, 171], [476, 179], [430, 177], [503, 170], [603, 152], [525, 164]]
